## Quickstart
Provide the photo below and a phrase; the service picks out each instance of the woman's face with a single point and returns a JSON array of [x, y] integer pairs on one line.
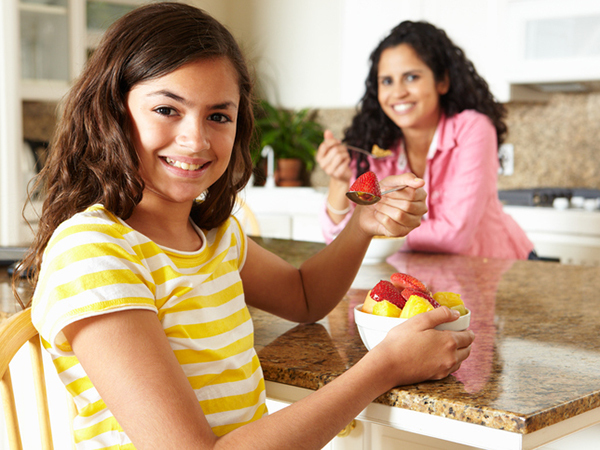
[[184, 127], [407, 90]]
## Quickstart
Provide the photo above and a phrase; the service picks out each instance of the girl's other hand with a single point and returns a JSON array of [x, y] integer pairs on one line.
[[418, 352], [398, 212], [333, 158]]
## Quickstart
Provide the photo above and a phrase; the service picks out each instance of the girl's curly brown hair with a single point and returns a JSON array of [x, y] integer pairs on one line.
[[92, 158], [467, 89]]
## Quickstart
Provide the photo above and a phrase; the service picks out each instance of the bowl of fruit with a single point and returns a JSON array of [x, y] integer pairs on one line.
[[381, 248], [392, 302]]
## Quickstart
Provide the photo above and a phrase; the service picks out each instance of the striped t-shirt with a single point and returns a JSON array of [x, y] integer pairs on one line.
[[96, 264]]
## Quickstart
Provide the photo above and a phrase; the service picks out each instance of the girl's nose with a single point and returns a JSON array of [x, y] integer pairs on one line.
[[193, 135]]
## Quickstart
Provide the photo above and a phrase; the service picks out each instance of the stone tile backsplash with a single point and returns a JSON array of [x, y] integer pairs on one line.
[[557, 143]]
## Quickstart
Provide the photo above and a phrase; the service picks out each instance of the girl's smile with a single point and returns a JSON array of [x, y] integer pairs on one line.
[[184, 127], [407, 90]]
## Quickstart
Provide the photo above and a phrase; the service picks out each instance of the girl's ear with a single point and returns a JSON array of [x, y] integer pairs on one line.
[[444, 85]]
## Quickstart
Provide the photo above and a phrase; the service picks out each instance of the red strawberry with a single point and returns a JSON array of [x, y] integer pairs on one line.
[[404, 281], [406, 293], [384, 290], [367, 183]]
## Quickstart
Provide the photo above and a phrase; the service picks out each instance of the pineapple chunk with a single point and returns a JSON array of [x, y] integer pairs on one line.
[[415, 305], [387, 309]]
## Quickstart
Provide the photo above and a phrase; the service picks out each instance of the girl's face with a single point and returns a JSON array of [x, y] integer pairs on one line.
[[407, 90], [184, 127]]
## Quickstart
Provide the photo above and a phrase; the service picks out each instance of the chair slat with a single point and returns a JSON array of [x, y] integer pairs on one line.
[[39, 382], [10, 412]]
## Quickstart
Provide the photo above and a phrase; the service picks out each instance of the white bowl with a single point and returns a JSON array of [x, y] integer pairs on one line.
[[381, 248], [373, 328]]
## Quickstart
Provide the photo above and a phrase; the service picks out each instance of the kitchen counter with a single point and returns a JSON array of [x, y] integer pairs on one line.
[[533, 375], [534, 371]]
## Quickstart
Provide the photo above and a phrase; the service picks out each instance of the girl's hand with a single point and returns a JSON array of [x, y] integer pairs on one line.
[[418, 352], [334, 159], [398, 212]]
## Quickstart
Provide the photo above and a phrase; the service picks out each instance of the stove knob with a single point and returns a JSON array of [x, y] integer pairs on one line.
[[560, 203]]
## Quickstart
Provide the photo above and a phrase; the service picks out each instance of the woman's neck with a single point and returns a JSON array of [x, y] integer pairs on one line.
[[416, 145]]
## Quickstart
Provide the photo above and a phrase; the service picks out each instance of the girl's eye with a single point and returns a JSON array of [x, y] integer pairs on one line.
[[411, 77], [165, 111], [219, 117]]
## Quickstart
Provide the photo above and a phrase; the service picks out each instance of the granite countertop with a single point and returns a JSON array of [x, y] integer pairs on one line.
[[534, 363]]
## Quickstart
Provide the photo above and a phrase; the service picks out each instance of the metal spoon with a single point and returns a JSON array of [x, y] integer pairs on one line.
[[362, 150], [366, 198]]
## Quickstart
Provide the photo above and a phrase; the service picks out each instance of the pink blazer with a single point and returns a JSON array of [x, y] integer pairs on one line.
[[464, 214]]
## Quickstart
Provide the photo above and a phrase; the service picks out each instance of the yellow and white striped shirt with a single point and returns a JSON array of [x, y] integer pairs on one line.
[[96, 264]]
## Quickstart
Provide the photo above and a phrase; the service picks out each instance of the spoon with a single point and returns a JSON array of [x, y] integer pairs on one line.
[[362, 150], [366, 198]]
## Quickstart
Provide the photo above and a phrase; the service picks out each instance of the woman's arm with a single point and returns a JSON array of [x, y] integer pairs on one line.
[[128, 359], [308, 294]]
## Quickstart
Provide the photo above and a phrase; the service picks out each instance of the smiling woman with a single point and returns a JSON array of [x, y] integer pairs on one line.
[[425, 102]]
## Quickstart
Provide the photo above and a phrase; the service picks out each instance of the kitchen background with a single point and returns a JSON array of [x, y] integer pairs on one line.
[[541, 58]]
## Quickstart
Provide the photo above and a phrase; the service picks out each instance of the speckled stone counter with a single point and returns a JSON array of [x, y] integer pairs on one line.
[[534, 363]]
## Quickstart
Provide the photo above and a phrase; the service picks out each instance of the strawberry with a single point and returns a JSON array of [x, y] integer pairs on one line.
[[367, 183], [384, 290], [408, 292], [404, 281]]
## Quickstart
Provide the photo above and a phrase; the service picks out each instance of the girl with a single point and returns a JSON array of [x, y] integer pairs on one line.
[[142, 289], [425, 101]]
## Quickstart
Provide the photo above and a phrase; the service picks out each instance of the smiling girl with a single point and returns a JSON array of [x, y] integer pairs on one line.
[[143, 277], [425, 101]]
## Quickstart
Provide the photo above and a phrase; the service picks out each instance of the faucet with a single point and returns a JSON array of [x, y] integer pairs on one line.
[[267, 152]]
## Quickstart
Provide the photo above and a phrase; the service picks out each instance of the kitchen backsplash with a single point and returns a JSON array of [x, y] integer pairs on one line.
[[556, 143]]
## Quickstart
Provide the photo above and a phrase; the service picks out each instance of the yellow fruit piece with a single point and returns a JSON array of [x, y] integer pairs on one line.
[[415, 305], [448, 299], [368, 304], [461, 309], [387, 309]]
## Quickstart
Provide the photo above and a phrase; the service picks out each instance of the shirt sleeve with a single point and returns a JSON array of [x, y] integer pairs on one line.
[[462, 182], [88, 270]]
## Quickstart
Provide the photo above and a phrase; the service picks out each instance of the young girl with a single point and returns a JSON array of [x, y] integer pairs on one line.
[[425, 102], [142, 289]]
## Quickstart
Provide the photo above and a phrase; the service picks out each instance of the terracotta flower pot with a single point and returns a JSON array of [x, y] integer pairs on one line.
[[289, 172]]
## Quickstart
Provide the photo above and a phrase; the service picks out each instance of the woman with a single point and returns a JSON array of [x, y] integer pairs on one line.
[[426, 103]]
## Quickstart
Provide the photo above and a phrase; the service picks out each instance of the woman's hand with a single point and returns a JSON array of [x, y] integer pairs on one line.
[[418, 352], [333, 158], [398, 212]]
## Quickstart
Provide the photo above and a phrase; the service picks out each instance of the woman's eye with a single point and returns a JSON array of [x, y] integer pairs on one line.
[[412, 77], [165, 111], [219, 117], [386, 81]]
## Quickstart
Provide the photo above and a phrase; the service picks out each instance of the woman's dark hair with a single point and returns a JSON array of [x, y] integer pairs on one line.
[[92, 158], [467, 89]]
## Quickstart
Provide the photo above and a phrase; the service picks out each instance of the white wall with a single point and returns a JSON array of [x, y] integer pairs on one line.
[[314, 53]]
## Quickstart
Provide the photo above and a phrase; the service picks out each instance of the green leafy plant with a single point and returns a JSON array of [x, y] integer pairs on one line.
[[291, 134]]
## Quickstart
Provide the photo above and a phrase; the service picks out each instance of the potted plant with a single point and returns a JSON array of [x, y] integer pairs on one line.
[[294, 137]]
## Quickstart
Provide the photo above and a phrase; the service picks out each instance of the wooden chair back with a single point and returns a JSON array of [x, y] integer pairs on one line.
[[15, 332]]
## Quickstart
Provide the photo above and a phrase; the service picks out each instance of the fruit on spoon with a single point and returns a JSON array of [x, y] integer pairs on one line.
[[365, 188]]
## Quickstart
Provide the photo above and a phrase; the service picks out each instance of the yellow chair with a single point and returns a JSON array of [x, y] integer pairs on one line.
[[14, 333]]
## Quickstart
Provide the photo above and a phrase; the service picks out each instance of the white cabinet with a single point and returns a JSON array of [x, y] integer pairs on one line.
[[284, 213], [571, 235], [552, 41]]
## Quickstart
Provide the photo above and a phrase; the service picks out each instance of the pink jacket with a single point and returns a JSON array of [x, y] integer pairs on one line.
[[464, 214]]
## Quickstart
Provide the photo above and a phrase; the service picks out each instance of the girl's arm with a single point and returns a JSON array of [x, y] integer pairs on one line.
[[309, 293], [153, 401]]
